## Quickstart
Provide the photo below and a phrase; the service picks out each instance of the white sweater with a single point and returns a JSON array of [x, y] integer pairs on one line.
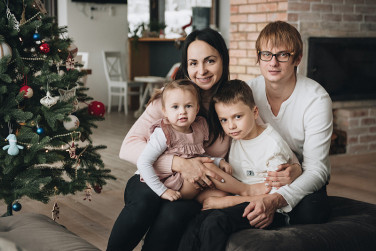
[[305, 122]]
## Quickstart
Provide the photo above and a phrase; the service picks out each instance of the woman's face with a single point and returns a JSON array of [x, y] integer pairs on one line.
[[204, 64]]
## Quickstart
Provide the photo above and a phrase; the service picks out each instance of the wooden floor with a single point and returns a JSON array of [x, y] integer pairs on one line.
[[352, 177]]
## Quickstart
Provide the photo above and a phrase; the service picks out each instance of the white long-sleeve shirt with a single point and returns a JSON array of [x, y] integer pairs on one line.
[[305, 122]]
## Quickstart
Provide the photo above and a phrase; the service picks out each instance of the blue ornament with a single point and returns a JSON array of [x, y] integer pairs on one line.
[[16, 206], [36, 36], [40, 130]]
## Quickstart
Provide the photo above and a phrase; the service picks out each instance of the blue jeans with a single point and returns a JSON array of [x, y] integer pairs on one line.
[[145, 211]]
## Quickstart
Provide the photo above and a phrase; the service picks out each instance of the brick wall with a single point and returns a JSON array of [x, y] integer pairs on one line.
[[359, 124], [319, 18], [247, 19]]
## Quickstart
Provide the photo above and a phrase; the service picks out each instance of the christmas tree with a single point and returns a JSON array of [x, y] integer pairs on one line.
[[46, 119]]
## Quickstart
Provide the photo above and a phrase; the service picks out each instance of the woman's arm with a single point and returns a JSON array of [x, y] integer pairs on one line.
[[136, 139]]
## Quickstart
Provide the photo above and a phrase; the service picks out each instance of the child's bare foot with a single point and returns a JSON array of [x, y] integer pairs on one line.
[[256, 189], [214, 203]]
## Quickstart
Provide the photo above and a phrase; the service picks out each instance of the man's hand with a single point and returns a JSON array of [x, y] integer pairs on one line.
[[171, 195], [260, 212], [284, 175]]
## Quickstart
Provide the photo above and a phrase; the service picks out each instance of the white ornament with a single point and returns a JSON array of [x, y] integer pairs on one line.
[[73, 124], [49, 101], [5, 50], [66, 95]]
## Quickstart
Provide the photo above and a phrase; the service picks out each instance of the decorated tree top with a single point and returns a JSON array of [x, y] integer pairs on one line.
[[45, 124]]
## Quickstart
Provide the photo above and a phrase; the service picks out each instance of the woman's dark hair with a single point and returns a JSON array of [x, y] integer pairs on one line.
[[214, 39]]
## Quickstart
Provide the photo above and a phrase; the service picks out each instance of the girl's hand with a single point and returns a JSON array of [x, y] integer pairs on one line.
[[284, 175], [225, 166], [171, 195], [194, 171]]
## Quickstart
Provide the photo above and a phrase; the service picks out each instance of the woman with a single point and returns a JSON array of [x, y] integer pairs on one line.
[[205, 61]]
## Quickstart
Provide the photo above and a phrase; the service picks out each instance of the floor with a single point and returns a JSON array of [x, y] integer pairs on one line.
[[352, 176]]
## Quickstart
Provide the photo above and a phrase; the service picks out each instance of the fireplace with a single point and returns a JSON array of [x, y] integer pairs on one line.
[[345, 67]]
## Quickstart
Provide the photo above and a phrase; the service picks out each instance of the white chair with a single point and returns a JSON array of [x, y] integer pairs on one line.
[[83, 59], [151, 83], [116, 80]]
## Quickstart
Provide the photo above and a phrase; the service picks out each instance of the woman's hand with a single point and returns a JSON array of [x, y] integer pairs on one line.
[[171, 195], [194, 171], [284, 175]]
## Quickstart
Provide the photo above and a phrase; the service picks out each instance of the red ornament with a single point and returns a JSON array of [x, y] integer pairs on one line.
[[98, 188], [96, 108], [28, 91], [45, 48]]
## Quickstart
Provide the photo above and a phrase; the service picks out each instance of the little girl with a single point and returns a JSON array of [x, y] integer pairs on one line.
[[183, 134]]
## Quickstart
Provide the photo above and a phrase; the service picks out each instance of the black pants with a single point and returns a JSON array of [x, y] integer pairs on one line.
[[143, 211], [211, 229]]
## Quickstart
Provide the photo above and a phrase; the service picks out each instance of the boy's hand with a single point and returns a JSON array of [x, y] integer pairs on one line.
[[171, 195], [225, 166]]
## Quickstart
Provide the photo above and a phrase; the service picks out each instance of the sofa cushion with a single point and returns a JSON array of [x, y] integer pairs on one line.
[[352, 226], [36, 232]]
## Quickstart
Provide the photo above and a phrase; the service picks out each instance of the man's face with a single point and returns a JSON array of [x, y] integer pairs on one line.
[[276, 72]]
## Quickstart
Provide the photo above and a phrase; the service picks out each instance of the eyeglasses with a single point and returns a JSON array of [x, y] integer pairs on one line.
[[280, 56]]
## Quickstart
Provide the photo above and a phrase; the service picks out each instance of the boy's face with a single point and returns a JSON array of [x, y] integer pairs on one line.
[[238, 120], [180, 108], [276, 72]]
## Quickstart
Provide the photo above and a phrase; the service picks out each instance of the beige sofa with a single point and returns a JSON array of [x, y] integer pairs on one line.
[[36, 232]]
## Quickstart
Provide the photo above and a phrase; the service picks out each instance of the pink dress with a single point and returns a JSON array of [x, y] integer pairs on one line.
[[183, 145]]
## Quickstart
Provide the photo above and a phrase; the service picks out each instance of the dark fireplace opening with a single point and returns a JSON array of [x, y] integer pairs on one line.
[[345, 67]]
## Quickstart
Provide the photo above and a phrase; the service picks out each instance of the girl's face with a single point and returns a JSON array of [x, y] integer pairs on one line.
[[238, 120], [180, 108], [205, 65]]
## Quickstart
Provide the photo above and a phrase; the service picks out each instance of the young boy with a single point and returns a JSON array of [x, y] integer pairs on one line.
[[255, 149]]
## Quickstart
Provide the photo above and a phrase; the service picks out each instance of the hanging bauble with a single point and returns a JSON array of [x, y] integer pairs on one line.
[[36, 36], [28, 91], [45, 48], [5, 50], [73, 124], [96, 108], [49, 101], [66, 95], [97, 188], [40, 130], [72, 50], [16, 206], [13, 148]]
